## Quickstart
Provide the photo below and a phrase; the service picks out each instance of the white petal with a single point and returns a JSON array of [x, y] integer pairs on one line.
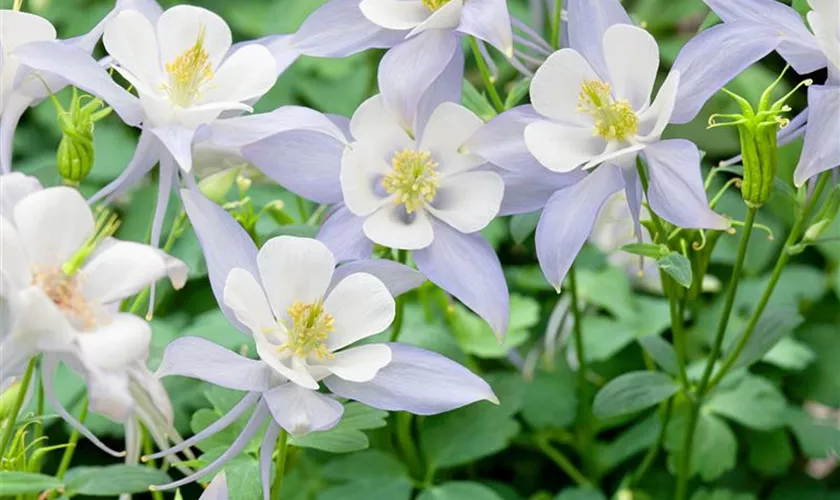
[[373, 123], [449, 127], [395, 14], [297, 372], [361, 306], [37, 324], [246, 298], [653, 121], [446, 17], [109, 393], [14, 187], [18, 28], [178, 29], [15, 271], [562, 148], [53, 224], [246, 74], [361, 171], [616, 153], [121, 271], [632, 58], [113, 345], [301, 411], [359, 364], [130, 39], [556, 86], [293, 269], [392, 227], [469, 201]]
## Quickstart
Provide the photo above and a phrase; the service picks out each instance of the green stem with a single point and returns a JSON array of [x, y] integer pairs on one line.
[[584, 408], [67, 457], [301, 206], [556, 24], [677, 329], [784, 258], [402, 258], [562, 461], [148, 450], [8, 430], [282, 448], [653, 451], [660, 227], [409, 450], [485, 76]]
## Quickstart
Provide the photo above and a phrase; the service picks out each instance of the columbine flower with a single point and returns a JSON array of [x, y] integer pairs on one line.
[[304, 314], [593, 115], [63, 278], [806, 52], [400, 178]]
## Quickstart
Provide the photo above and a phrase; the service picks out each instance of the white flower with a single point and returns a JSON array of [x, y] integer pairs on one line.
[[183, 68], [300, 325], [596, 117], [825, 23], [400, 181], [16, 29]]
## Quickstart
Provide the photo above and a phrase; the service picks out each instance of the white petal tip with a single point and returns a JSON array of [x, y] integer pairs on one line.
[[494, 399]]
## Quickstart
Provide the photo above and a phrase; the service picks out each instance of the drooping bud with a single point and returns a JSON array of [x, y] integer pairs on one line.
[[216, 186], [758, 129], [75, 156]]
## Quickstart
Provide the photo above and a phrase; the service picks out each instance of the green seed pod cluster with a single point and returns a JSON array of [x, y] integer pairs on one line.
[[75, 155]]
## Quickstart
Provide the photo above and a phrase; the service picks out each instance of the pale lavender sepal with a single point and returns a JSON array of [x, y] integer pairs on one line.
[[410, 69], [269, 441], [88, 41], [300, 411], [146, 155], [168, 174], [568, 219], [178, 142], [676, 192], [633, 192], [306, 162], [488, 20], [239, 131], [280, 47], [398, 278], [466, 266], [418, 381], [588, 21], [217, 490], [339, 29], [14, 109], [224, 243], [799, 47], [343, 235], [821, 151], [530, 191], [714, 57], [200, 358], [448, 87], [501, 141], [80, 69]]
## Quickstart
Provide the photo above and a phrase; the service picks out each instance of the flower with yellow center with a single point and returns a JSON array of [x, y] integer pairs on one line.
[[614, 119], [413, 179], [434, 5], [189, 73], [308, 327]]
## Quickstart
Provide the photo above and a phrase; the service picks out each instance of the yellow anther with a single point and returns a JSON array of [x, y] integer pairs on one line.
[[189, 73], [614, 120], [434, 5], [308, 328], [413, 179]]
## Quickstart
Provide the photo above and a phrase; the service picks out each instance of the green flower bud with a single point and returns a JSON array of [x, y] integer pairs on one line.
[[75, 155], [8, 399], [757, 129], [825, 217], [216, 186]]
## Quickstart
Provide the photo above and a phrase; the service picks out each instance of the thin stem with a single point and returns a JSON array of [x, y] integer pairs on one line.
[[557, 24], [21, 396], [301, 206], [67, 457], [485, 76], [792, 238], [148, 450], [677, 329], [653, 451], [282, 448], [409, 450], [562, 461], [402, 258], [660, 228], [584, 408]]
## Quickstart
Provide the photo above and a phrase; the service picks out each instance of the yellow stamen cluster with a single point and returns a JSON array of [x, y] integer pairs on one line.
[[63, 290], [413, 178], [308, 328], [614, 120], [434, 5], [189, 73]]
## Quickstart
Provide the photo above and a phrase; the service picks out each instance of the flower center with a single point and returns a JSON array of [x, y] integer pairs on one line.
[[614, 120], [434, 5], [413, 179], [308, 327], [64, 292], [189, 73]]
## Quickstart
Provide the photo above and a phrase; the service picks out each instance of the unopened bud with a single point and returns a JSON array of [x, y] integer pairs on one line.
[[276, 209], [75, 155], [8, 399], [825, 217], [215, 187], [243, 183]]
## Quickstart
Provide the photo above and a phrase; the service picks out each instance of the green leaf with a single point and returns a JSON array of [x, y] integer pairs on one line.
[[606, 336], [523, 225], [459, 490], [16, 483], [346, 437], [632, 392], [580, 494], [476, 337], [372, 489], [678, 267], [790, 354], [661, 351], [243, 478], [646, 250], [114, 480], [715, 446], [631, 442], [770, 453], [816, 439], [476, 102], [704, 494], [753, 403], [369, 464], [774, 324], [821, 380], [517, 93], [551, 399], [608, 288]]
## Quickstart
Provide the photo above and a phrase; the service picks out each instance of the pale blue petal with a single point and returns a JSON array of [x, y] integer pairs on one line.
[[266, 462], [300, 411], [234, 133], [466, 266], [398, 278], [588, 21], [146, 155], [217, 490], [14, 109], [339, 29], [821, 151], [502, 141], [568, 218], [528, 192], [200, 358], [713, 58], [799, 47], [343, 235], [418, 381], [488, 20], [178, 141], [676, 192], [447, 87]]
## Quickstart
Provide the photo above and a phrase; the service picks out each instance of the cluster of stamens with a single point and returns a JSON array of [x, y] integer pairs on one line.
[[308, 328], [189, 73], [413, 179], [434, 5], [614, 120], [63, 290]]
